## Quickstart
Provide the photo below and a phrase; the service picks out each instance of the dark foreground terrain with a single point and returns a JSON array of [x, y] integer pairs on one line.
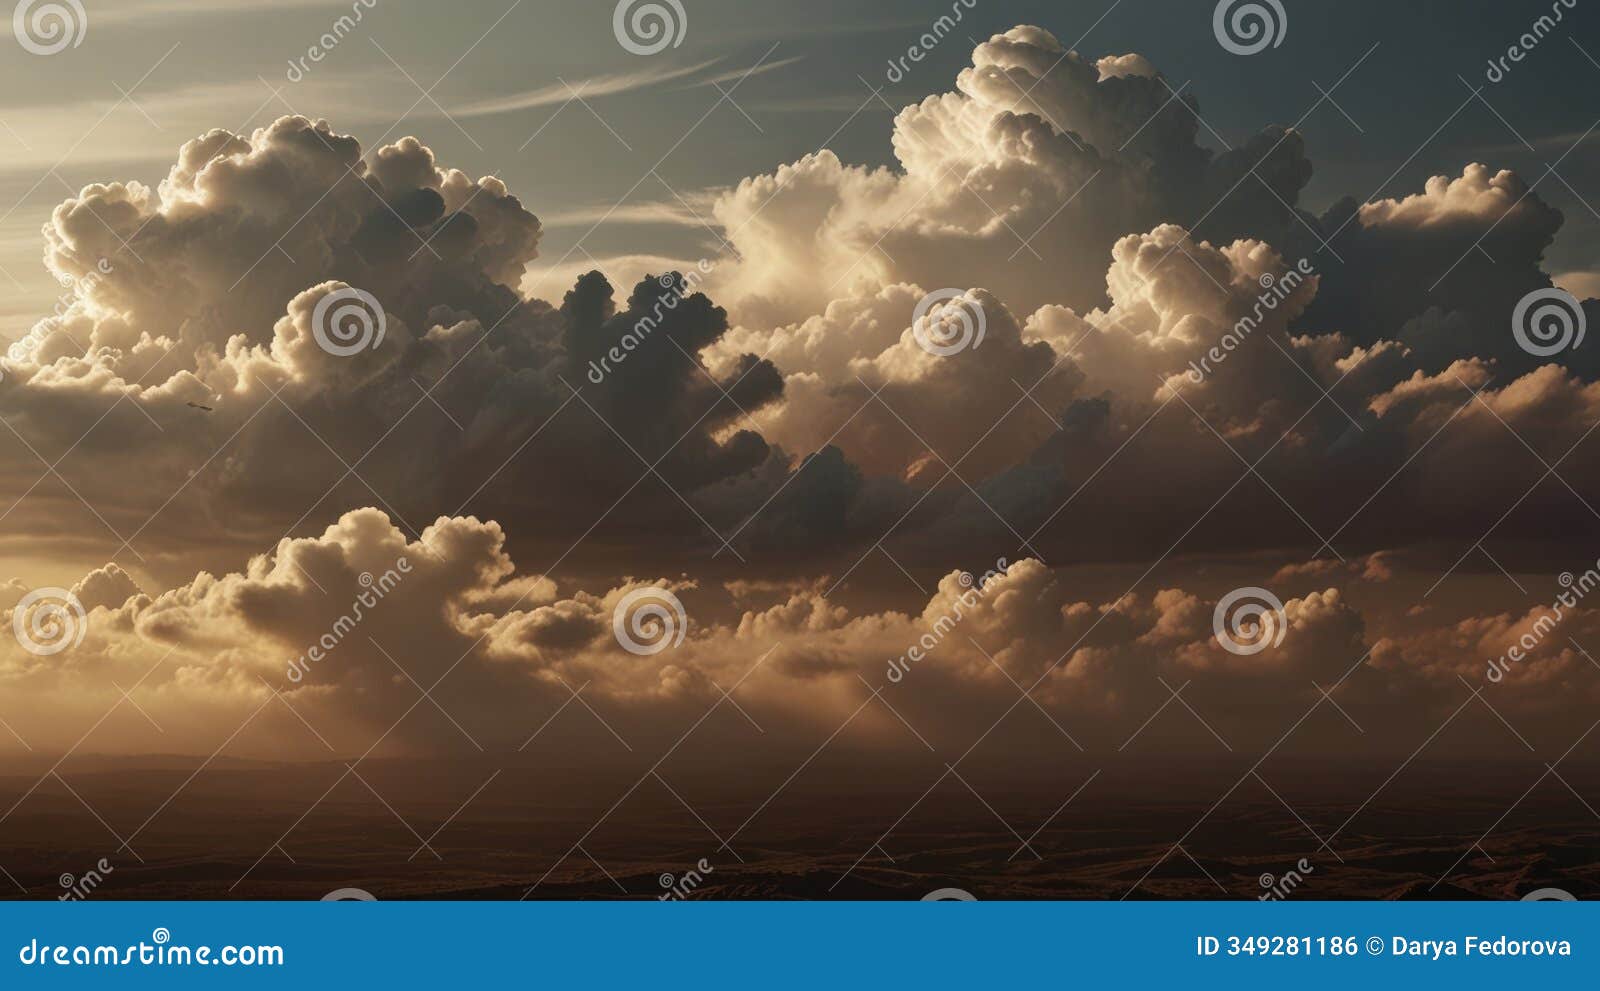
[[476, 830]]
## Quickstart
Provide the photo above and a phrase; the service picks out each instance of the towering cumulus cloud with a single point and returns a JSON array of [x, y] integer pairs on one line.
[[1018, 182], [299, 430], [314, 328]]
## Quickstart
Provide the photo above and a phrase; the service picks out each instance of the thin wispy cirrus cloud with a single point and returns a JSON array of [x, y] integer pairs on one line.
[[614, 84], [591, 87], [143, 11]]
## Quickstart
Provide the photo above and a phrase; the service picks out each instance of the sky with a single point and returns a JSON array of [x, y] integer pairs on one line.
[[191, 66], [824, 352]]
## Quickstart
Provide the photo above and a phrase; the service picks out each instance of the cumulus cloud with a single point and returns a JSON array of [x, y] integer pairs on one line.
[[352, 625], [200, 355], [1240, 340], [874, 385], [1017, 182], [811, 409], [297, 352], [1443, 270]]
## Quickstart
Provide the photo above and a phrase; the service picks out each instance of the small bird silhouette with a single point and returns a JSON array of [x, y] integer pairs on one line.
[[198, 406]]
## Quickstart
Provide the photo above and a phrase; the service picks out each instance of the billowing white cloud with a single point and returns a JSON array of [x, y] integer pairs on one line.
[[1017, 182]]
